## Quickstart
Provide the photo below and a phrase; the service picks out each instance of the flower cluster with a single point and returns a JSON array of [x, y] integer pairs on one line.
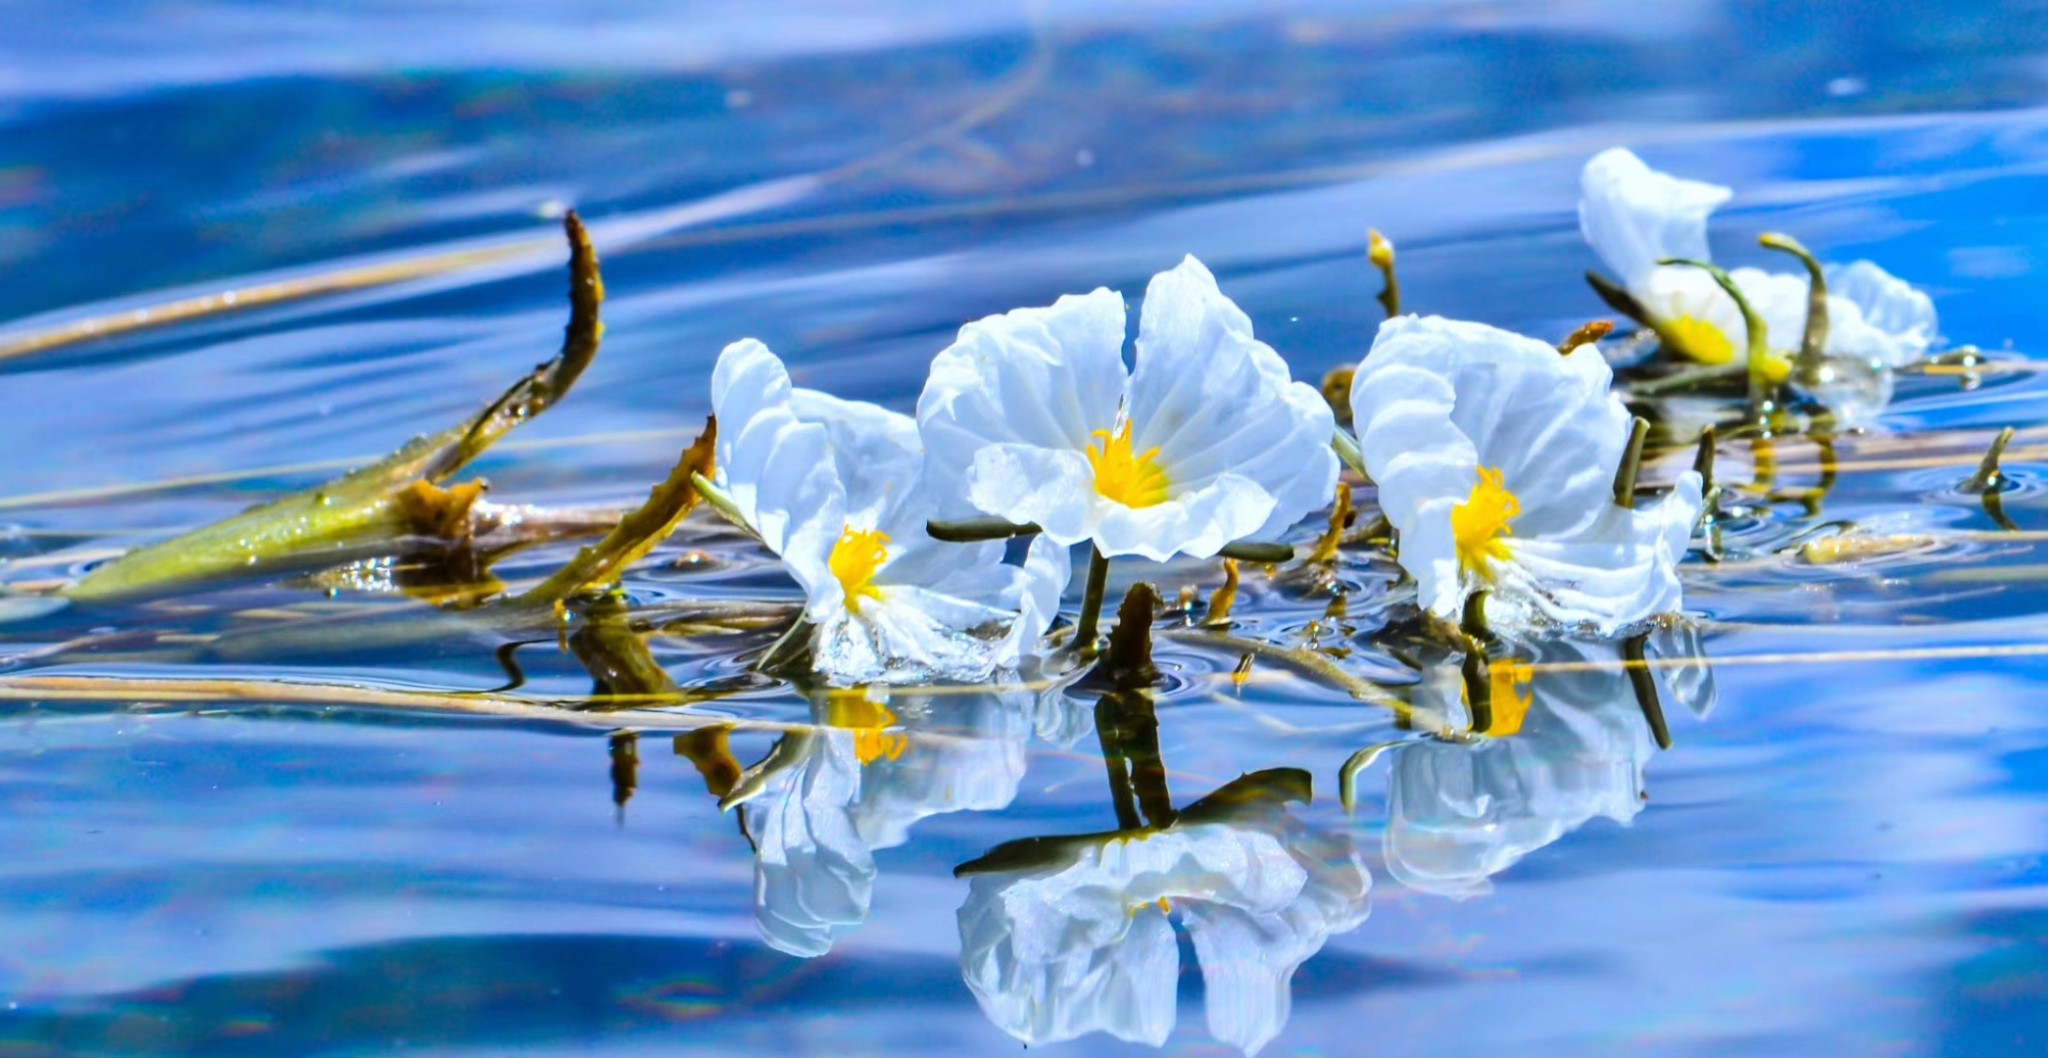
[[1503, 465], [1031, 418]]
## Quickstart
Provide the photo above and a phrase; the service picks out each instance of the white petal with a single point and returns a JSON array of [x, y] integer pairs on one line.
[[1677, 292], [1435, 400], [1214, 400], [1782, 300], [778, 469], [1048, 566], [1027, 483], [1197, 523], [876, 452], [1888, 304], [912, 634], [1046, 378], [1633, 216], [1605, 576]]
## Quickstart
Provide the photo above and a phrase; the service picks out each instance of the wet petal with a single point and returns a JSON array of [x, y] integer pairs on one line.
[[1633, 216]]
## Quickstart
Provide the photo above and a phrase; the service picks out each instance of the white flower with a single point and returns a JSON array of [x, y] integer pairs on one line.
[[833, 487], [1495, 459], [1084, 944], [1030, 416], [835, 795], [1634, 216], [1567, 746]]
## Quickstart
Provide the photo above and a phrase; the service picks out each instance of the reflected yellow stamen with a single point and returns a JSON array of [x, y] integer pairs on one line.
[[1508, 681], [1134, 480], [854, 561], [1696, 339], [1480, 524], [869, 721]]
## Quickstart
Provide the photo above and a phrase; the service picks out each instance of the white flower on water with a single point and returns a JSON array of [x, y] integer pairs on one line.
[[834, 488], [1566, 747], [1085, 944], [1030, 416], [1495, 459], [1634, 216], [831, 797]]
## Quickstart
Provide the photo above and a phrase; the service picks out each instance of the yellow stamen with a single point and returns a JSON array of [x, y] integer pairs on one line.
[[1164, 905], [1480, 524], [1697, 339], [1132, 480], [869, 721], [854, 560]]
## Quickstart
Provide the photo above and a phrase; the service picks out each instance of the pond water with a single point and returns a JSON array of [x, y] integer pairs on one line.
[[1844, 850]]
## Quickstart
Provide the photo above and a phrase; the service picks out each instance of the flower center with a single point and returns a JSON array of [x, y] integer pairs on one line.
[[1164, 905], [1699, 340], [1134, 480], [869, 720], [1696, 339], [1480, 524], [854, 560]]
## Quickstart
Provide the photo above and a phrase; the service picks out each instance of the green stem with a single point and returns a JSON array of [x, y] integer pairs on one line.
[[1631, 464], [1814, 342], [1759, 358], [981, 529], [1381, 253], [1091, 601], [1349, 452], [1685, 380]]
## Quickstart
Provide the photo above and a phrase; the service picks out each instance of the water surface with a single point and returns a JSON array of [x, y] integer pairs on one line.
[[1842, 852]]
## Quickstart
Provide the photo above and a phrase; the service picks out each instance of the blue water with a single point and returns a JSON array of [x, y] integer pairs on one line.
[[1843, 855]]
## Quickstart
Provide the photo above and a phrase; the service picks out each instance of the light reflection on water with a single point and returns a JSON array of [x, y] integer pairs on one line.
[[1847, 858]]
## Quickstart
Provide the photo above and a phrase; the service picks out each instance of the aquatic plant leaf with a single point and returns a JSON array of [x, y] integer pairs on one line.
[[380, 503], [638, 532]]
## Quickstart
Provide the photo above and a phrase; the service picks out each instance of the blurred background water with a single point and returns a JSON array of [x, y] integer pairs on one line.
[[1845, 856]]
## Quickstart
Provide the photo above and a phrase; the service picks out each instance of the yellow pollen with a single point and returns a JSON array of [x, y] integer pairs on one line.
[[1480, 524], [869, 720], [1130, 479], [854, 560]]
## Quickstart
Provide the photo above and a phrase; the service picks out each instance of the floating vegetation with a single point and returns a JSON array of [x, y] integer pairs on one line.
[[1484, 540]]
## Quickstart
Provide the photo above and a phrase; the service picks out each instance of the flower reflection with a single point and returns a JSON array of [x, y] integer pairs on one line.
[[1066, 936], [824, 800], [1459, 813]]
